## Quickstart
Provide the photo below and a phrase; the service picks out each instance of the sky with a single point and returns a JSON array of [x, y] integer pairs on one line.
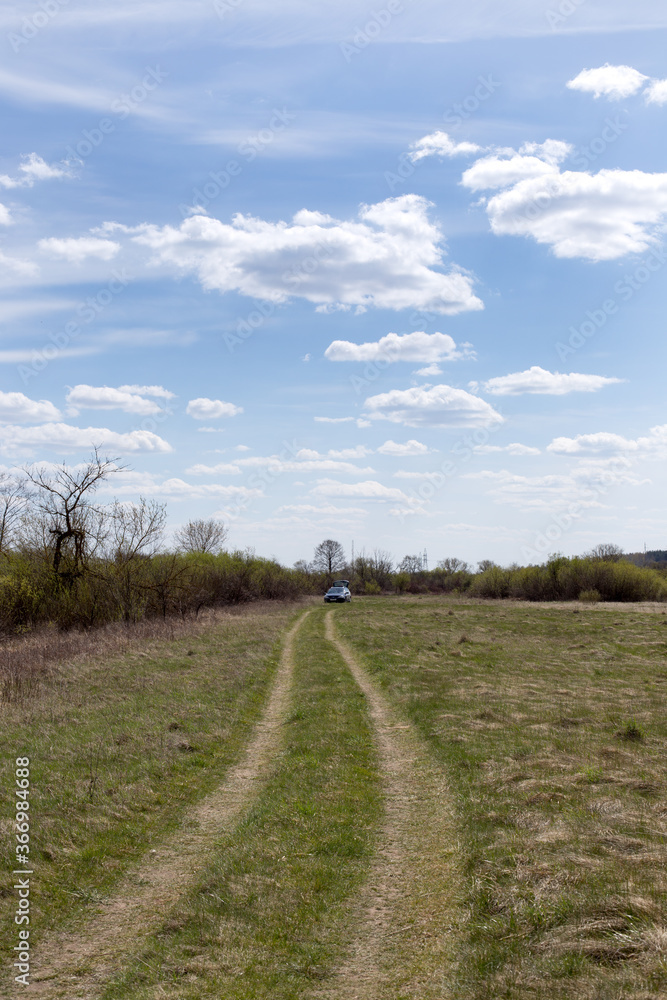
[[391, 273]]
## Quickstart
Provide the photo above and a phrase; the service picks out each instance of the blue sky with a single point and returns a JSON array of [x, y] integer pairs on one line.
[[378, 272]]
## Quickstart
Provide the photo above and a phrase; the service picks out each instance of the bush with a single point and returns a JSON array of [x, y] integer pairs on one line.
[[589, 596]]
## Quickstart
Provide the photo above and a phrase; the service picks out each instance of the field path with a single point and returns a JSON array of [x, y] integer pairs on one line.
[[409, 917], [79, 965]]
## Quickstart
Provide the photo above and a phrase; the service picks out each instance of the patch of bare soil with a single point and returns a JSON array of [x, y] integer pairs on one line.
[[409, 918], [79, 965]]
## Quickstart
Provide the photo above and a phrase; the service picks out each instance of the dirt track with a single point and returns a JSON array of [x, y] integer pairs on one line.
[[79, 965]]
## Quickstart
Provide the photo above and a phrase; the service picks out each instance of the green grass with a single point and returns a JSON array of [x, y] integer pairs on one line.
[[119, 749], [269, 917], [551, 727]]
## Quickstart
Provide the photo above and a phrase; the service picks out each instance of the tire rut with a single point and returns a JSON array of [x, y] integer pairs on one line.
[[409, 917], [78, 965]]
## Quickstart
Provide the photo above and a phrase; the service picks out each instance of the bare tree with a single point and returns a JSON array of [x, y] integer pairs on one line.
[[329, 557], [13, 500], [62, 500], [410, 564], [605, 552], [202, 536], [135, 534], [453, 565]]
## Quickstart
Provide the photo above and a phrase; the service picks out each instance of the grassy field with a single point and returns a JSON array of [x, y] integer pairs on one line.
[[546, 723], [121, 746], [550, 722]]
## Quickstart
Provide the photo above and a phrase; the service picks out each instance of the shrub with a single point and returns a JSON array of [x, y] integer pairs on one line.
[[589, 596]]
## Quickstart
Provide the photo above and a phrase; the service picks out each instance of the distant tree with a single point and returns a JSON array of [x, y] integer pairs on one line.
[[302, 566], [453, 565], [13, 500], [329, 557], [605, 552], [484, 565], [62, 502], [410, 564], [202, 536]]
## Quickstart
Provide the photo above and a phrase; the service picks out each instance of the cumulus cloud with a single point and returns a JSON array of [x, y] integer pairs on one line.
[[79, 249], [61, 437], [418, 346], [15, 265], [91, 397], [368, 490], [510, 449], [148, 390], [614, 82], [429, 371], [33, 168], [434, 406], [385, 258], [606, 443], [656, 92], [304, 462], [179, 489], [333, 420], [599, 216], [537, 380], [397, 450], [15, 407], [584, 485], [5, 217], [507, 166], [211, 409], [440, 144]]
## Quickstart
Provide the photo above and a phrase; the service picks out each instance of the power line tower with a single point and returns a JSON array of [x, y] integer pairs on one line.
[[353, 553], [424, 561]]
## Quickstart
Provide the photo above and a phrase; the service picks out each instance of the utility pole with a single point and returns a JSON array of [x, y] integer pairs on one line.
[[425, 561]]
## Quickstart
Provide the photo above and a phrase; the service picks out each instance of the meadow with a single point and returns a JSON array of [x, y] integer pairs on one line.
[[447, 797]]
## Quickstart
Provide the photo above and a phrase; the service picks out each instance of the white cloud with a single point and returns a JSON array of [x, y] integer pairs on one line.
[[506, 166], [304, 462], [14, 265], [429, 371], [584, 486], [179, 489], [410, 447], [403, 474], [440, 144], [5, 217], [148, 390], [435, 406], [510, 449], [656, 92], [91, 397], [61, 437], [359, 451], [221, 469], [385, 258], [80, 249], [538, 380], [599, 216], [369, 490], [418, 346], [211, 409], [614, 82], [14, 406], [33, 168], [606, 443], [333, 420], [308, 508]]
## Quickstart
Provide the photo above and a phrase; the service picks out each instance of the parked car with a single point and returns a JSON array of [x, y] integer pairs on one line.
[[337, 594]]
